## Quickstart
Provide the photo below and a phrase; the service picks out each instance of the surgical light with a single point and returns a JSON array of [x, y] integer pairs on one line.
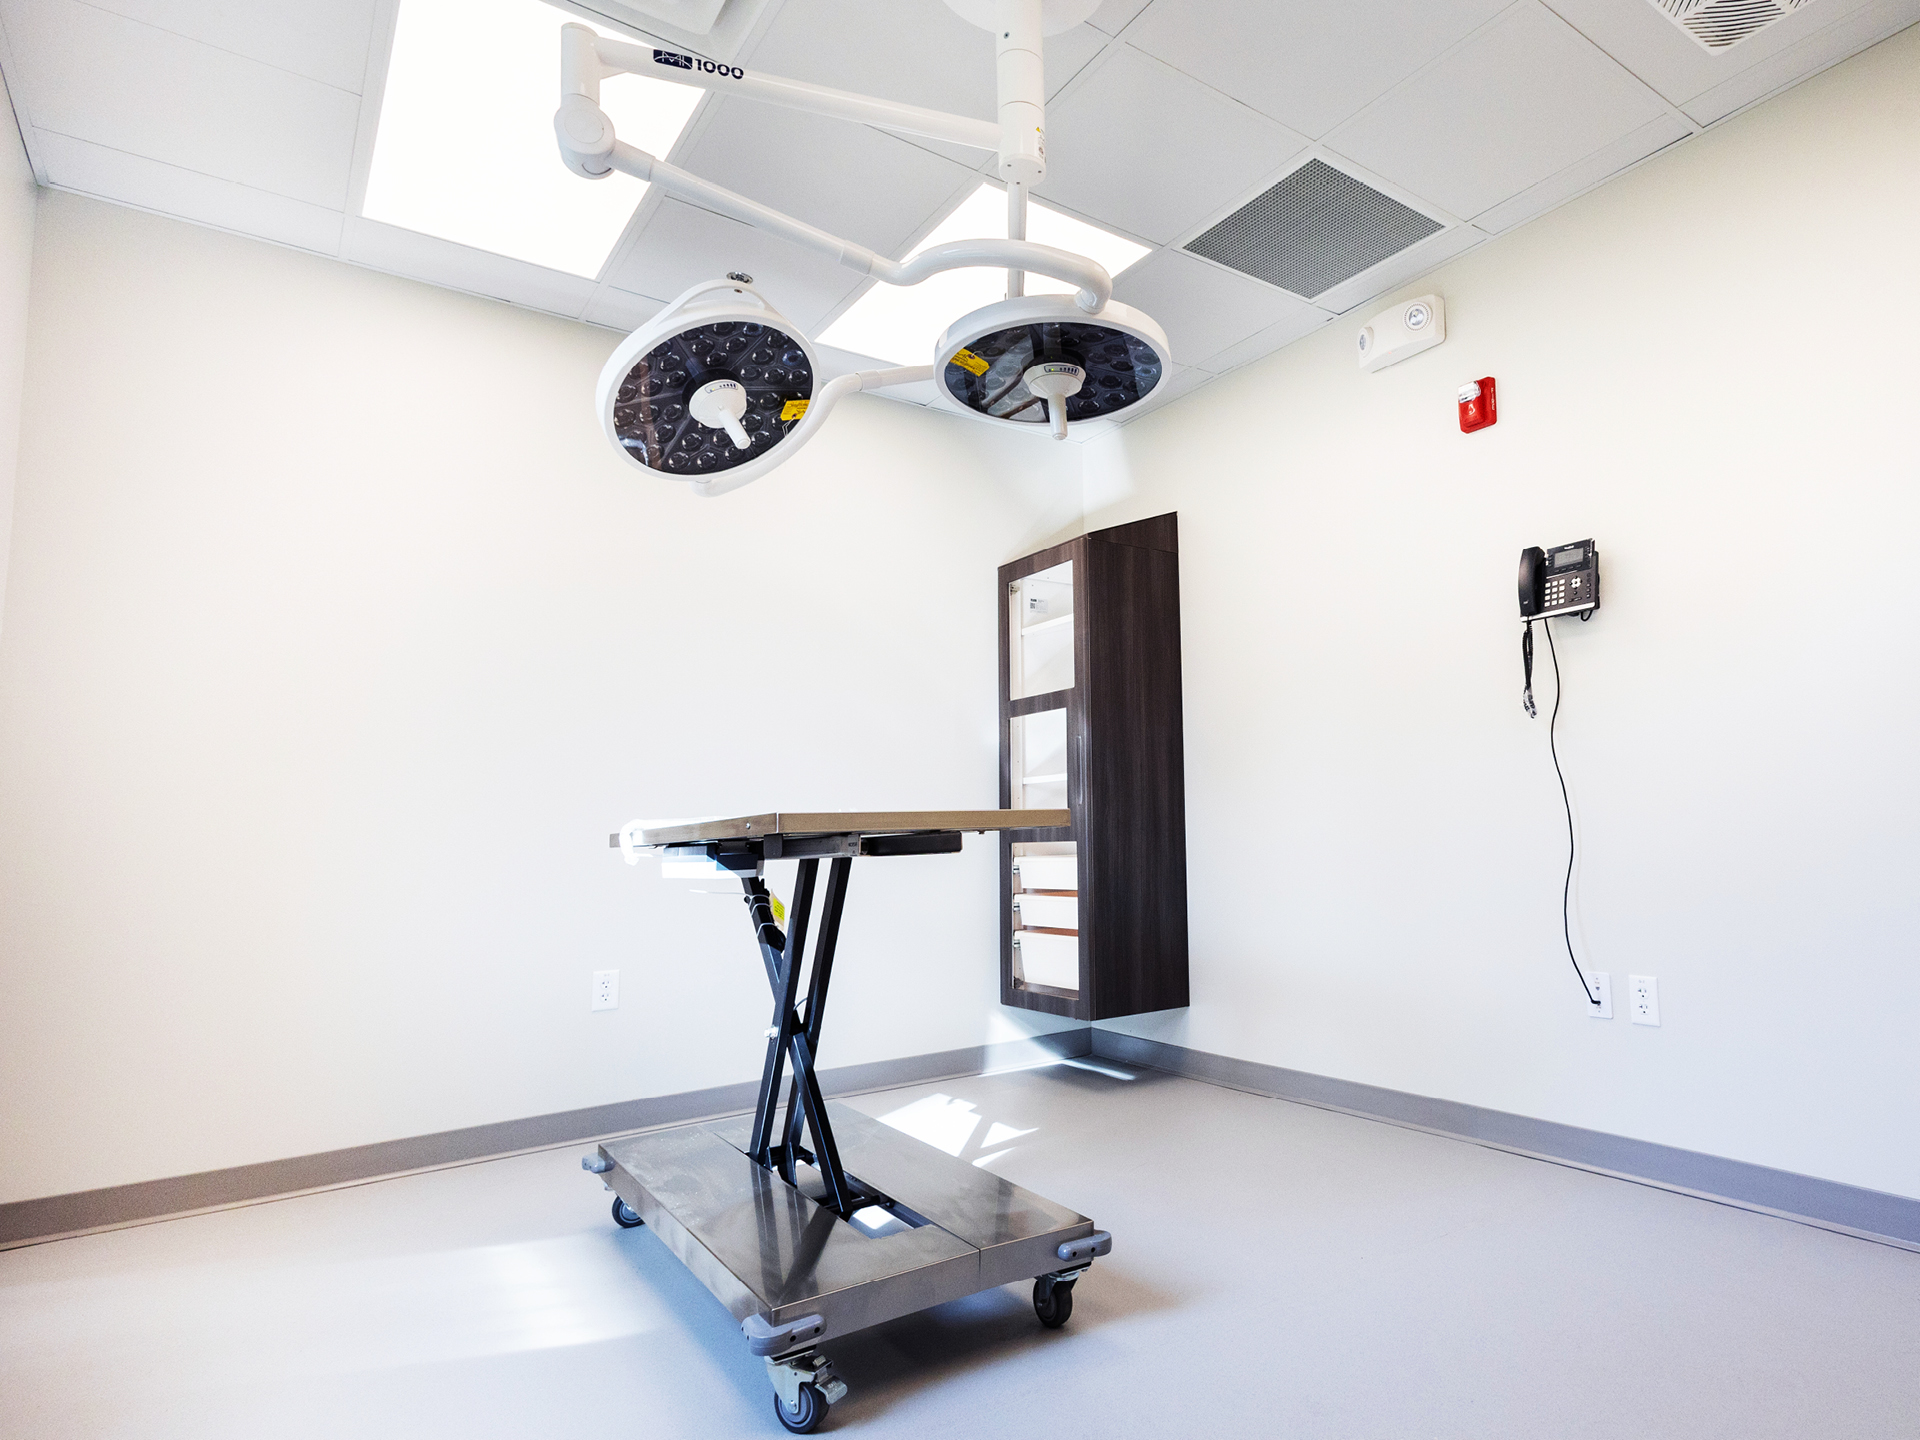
[[720, 388]]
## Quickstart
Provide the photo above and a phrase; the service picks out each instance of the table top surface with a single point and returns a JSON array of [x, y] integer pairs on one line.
[[851, 822]]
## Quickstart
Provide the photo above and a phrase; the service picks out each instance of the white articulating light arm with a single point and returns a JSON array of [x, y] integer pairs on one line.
[[590, 148], [588, 58], [588, 144]]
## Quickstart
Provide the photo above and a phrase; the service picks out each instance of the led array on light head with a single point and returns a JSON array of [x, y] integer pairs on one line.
[[664, 377], [983, 361]]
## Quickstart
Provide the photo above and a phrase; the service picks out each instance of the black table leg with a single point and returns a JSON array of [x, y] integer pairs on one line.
[[783, 956]]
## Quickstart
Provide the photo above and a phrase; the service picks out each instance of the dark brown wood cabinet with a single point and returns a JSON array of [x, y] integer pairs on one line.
[[1093, 918]]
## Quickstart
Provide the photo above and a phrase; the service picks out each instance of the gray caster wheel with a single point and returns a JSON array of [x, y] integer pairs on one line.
[[624, 1215], [1052, 1301], [803, 1417]]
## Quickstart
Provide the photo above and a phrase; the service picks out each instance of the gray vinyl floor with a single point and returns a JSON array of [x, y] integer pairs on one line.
[[1277, 1271]]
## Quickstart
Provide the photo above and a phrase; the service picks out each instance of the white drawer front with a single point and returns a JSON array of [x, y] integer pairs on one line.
[[1050, 959], [1051, 912], [1048, 872]]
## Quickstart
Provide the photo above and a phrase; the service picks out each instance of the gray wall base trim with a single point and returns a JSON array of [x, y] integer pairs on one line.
[[1828, 1204], [26, 1222]]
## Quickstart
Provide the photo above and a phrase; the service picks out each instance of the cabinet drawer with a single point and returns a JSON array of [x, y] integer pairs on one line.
[[1047, 872], [1049, 912], [1052, 960]]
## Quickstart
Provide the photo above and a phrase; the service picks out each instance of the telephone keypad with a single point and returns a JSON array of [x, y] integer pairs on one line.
[[1565, 590]]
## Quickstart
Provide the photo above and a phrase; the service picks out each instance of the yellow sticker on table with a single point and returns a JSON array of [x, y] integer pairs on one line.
[[793, 409], [967, 360]]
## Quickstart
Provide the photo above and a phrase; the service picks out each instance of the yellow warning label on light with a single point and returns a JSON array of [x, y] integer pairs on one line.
[[793, 409], [967, 360]]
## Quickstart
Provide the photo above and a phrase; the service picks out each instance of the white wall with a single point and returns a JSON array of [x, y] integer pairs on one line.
[[18, 195], [1709, 366], [339, 640]]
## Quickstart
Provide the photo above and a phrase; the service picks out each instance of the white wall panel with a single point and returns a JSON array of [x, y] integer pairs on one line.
[[339, 642], [1737, 726]]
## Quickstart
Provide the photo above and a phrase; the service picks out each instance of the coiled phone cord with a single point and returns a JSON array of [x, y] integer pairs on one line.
[[1566, 887]]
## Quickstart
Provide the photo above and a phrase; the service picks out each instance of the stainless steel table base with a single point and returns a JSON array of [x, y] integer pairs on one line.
[[793, 1271], [802, 1244]]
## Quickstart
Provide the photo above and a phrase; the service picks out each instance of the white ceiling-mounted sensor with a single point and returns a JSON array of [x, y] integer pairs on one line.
[[1402, 332]]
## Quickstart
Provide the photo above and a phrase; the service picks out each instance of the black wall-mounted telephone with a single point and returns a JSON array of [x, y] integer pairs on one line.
[[1562, 581]]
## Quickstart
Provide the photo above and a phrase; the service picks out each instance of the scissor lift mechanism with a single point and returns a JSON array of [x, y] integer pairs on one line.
[[805, 1242]]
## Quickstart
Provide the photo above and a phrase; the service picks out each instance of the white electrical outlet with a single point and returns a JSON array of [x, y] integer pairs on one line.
[[1600, 983], [606, 989], [1643, 999]]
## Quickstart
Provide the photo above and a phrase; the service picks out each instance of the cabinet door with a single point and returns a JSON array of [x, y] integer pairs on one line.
[[1040, 620]]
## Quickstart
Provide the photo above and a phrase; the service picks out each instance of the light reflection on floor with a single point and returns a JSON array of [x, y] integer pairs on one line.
[[307, 1319]]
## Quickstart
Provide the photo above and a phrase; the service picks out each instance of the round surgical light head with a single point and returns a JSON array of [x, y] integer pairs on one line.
[[710, 389], [1012, 363]]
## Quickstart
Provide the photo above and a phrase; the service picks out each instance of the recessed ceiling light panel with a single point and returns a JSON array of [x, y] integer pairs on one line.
[[465, 146]]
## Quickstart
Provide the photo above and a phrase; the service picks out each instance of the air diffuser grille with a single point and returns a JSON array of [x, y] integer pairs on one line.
[[1716, 24], [1313, 230]]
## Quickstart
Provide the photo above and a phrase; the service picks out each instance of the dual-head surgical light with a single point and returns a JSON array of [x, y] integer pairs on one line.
[[719, 387]]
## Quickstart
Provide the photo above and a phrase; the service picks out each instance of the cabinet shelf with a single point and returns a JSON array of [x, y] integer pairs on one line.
[[1053, 624]]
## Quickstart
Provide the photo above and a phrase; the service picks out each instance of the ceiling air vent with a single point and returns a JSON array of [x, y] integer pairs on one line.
[[1313, 230], [1716, 24]]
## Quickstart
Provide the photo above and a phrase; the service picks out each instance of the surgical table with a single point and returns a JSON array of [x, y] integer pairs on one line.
[[817, 1221]]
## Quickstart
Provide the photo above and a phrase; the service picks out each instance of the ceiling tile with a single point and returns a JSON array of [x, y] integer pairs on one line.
[[1847, 36], [1265, 342], [921, 53], [620, 309], [681, 245], [151, 185], [1397, 270], [1306, 63], [1522, 100], [1203, 308], [1663, 55], [1609, 160], [1113, 16], [825, 172], [924, 54], [1137, 145], [460, 267], [125, 85], [322, 42]]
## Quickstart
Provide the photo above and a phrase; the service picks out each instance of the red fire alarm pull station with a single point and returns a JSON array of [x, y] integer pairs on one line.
[[1477, 408]]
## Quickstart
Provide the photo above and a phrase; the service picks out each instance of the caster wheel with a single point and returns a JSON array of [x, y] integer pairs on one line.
[[624, 1215], [1052, 1303], [805, 1417]]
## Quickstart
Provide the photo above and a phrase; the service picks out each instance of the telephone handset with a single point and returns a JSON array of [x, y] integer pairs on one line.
[[1562, 581]]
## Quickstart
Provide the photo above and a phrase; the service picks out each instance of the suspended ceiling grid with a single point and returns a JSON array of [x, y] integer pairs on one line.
[[1165, 116]]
